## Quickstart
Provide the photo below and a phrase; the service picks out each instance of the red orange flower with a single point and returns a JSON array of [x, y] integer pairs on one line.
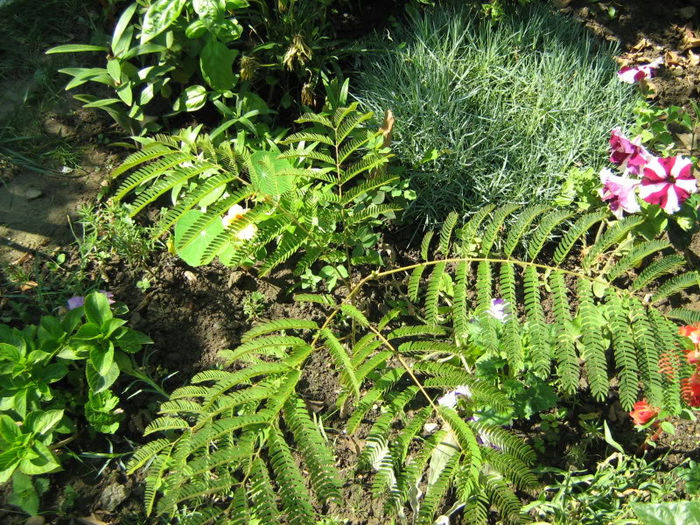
[[690, 389], [643, 412]]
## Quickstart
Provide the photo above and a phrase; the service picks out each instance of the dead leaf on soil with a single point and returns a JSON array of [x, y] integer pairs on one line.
[[28, 285], [22, 259], [92, 520], [671, 59], [643, 44], [690, 39]]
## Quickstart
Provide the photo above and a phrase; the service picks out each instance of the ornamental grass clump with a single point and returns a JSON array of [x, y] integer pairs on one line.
[[494, 113]]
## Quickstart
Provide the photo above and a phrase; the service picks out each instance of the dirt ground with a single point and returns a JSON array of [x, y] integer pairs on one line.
[[192, 313]]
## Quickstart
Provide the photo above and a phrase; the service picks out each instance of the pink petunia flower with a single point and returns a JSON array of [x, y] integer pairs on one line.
[[668, 182], [619, 193], [632, 74], [630, 155]]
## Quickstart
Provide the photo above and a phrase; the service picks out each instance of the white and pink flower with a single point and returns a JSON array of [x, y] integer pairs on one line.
[[619, 193], [629, 155], [668, 182], [632, 74]]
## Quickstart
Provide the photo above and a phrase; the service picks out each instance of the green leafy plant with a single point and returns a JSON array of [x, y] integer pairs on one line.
[[609, 494], [182, 50], [509, 108], [321, 198], [253, 305], [109, 232], [410, 377], [51, 376], [193, 54]]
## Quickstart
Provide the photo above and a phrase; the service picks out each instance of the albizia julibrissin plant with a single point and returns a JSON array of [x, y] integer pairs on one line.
[[236, 444]]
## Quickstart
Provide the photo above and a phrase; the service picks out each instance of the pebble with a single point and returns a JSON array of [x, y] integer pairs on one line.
[[32, 193], [112, 496]]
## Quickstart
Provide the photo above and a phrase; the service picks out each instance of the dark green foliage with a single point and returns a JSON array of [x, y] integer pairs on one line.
[[239, 441], [321, 198], [609, 326]]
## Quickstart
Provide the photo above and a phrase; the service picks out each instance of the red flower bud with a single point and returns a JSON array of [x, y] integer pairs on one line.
[[642, 412]]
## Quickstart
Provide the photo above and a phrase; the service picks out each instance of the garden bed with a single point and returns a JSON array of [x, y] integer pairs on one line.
[[192, 313]]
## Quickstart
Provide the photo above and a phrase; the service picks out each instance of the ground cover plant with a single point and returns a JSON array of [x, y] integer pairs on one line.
[[522, 362], [493, 114]]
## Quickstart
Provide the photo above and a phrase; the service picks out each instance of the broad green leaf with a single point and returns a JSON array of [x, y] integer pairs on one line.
[[99, 412], [52, 372], [111, 325], [268, 174], [97, 308], [114, 69], [9, 461], [119, 44], [9, 430], [193, 252], [131, 340], [671, 513], [125, 93], [43, 422], [160, 15], [24, 494], [192, 99], [75, 48], [216, 64], [196, 29], [102, 358], [99, 383], [38, 460], [209, 8]]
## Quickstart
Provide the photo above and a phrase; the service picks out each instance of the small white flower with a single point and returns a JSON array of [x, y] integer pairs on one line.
[[498, 310], [247, 233], [234, 212], [450, 399]]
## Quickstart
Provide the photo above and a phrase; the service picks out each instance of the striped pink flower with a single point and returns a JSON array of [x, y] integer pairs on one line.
[[668, 182], [632, 74], [619, 193], [630, 155]]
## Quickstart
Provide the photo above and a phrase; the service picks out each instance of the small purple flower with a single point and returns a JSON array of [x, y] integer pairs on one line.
[[79, 300], [632, 74], [619, 193], [498, 310], [629, 155]]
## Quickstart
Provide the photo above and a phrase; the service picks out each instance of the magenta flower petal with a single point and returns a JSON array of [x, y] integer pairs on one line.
[[630, 155], [619, 193], [668, 182], [632, 74]]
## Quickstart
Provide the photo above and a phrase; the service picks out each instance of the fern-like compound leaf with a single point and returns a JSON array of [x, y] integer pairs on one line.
[[519, 227], [664, 266], [593, 346], [494, 228], [577, 232], [318, 458], [544, 230]]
